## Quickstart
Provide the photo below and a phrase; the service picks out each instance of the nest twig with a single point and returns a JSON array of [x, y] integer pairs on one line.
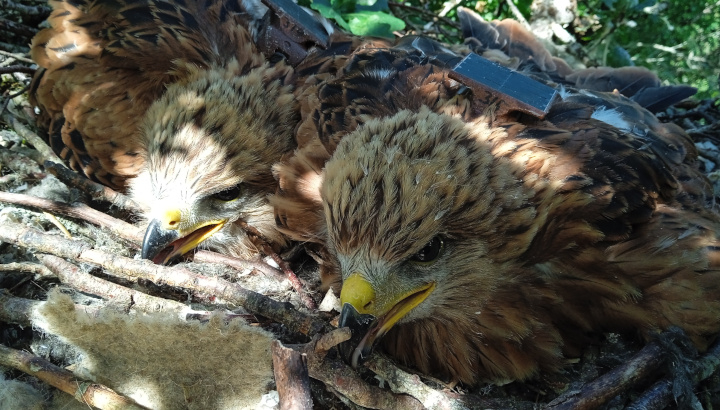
[[92, 394]]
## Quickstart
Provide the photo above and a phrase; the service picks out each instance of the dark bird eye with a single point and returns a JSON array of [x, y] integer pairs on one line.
[[430, 252], [228, 194]]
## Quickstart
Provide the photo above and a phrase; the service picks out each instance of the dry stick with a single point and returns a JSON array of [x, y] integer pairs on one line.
[[172, 276], [518, 15], [7, 97], [660, 395], [17, 56], [294, 281], [332, 339], [17, 310], [18, 161], [86, 392], [32, 138], [124, 230], [96, 191], [346, 382], [114, 293], [77, 210], [609, 385], [239, 264], [9, 178], [25, 267], [17, 28], [27, 154], [24, 10], [22, 311], [404, 382], [291, 378]]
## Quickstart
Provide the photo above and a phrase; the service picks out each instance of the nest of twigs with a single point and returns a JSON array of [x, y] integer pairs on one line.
[[60, 231]]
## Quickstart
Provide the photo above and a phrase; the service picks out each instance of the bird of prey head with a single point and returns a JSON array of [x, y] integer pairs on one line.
[[210, 144], [415, 205]]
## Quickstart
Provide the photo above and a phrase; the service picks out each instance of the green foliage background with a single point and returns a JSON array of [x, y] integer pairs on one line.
[[678, 39]]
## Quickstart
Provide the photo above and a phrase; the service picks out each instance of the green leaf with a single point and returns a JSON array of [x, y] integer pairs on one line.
[[374, 24], [343, 6], [328, 12]]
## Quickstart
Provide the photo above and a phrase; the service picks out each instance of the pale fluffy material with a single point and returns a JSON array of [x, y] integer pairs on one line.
[[163, 362]]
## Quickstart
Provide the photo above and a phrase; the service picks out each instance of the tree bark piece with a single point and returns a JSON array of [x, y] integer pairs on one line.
[[89, 393], [291, 378]]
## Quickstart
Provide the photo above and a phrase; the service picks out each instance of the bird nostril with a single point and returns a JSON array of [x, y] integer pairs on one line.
[[173, 223], [368, 305]]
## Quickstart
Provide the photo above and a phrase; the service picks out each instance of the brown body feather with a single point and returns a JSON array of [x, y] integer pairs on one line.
[[104, 63]]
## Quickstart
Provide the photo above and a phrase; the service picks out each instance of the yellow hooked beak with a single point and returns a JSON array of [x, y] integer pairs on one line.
[[358, 298], [164, 239]]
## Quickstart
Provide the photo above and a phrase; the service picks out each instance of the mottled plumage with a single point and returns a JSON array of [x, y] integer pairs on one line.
[[486, 246], [172, 101]]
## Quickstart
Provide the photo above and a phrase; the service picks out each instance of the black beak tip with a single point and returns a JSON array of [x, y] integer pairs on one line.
[[156, 239], [359, 325]]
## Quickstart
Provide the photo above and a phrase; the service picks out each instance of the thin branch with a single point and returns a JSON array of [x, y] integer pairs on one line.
[[17, 56], [449, 6], [25, 10], [660, 395], [180, 277], [96, 191], [294, 281], [89, 393], [404, 382], [17, 310], [78, 210], [239, 264], [116, 294], [9, 97], [518, 15], [346, 382], [25, 267], [609, 385], [17, 69], [291, 378], [31, 137], [332, 339], [17, 28], [430, 14]]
